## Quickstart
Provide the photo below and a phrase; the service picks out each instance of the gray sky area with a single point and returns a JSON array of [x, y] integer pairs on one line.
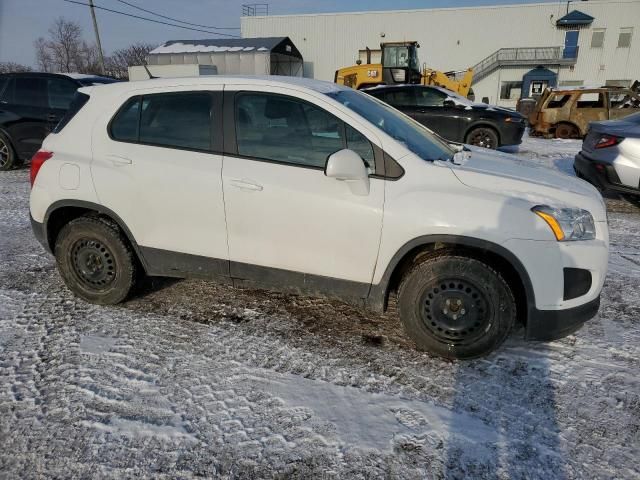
[[22, 21]]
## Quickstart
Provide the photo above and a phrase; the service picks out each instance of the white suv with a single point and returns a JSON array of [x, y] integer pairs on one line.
[[314, 188]]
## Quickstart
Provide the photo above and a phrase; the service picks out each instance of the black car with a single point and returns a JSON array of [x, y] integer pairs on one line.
[[454, 117], [31, 104]]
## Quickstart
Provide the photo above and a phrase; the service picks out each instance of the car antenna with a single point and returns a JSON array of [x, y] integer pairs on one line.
[[148, 72]]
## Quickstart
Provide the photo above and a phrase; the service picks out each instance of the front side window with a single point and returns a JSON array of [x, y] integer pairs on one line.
[[400, 127], [359, 144], [400, 97], [558, 100], [285, 129]]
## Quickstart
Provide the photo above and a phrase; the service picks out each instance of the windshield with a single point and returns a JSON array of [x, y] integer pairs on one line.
[[401, 57], [410, 133]]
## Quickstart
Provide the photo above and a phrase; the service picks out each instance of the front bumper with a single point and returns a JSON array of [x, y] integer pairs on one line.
[[566, 282], [600, 174], [511, 133], [554, 324]]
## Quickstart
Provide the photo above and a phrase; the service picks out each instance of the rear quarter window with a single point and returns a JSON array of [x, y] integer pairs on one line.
[[79, 101]]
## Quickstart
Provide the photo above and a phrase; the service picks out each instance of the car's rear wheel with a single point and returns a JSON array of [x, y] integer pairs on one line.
[[456, 306], [483, 137], [95, 260], [566, 130], [7, 154]]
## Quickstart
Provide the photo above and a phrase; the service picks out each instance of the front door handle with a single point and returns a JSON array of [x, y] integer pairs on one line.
[[119, 160], [52, 118], [246, 185]]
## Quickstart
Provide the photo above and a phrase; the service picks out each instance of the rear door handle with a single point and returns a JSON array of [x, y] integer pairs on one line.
[[52, 118], [246, 185], [119, 160]]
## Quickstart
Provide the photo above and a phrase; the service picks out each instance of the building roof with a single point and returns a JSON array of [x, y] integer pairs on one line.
[[575, 17], [221, 45]]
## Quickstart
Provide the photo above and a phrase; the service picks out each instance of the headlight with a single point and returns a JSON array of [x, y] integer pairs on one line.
[[514, 120], [567, 224]]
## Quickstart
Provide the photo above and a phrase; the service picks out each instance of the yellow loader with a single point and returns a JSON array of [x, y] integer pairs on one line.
[[399, 65]]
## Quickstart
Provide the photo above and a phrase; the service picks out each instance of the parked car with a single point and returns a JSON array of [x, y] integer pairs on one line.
[[323, 190], [610, 155], [566, 113], [31, 104], [453, 117]]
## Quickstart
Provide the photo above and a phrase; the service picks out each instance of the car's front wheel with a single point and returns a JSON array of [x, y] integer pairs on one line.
[[7, 154], [483, 137], [456, 306], [95, 260]]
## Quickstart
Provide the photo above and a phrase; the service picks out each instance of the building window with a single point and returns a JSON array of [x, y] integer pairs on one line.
[[571, 83], [597, 38], [510, 90], [624, 39], [618, 83]]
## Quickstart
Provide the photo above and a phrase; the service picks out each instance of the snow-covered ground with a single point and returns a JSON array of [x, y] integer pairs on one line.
[[192, 379]]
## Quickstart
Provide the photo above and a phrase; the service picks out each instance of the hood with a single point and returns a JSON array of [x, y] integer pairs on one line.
[[619, 128], [509, 175]]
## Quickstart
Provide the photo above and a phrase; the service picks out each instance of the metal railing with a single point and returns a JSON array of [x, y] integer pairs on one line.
[[525, 56], [255, 9]]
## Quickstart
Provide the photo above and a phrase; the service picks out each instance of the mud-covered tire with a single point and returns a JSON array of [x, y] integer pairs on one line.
[[8, 157], [470, 317], [95, 260], [485, 137]]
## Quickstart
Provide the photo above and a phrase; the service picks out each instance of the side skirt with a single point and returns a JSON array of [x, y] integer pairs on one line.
[[183, 265]]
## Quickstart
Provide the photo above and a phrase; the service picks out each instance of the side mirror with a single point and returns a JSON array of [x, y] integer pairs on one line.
[[448, 103], [347, 166]]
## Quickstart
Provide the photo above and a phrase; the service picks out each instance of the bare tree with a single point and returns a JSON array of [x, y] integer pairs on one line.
[[65, 51], [117, 64], [9, 67]]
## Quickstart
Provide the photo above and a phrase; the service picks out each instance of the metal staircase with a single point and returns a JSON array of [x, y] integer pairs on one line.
[[525, 56]]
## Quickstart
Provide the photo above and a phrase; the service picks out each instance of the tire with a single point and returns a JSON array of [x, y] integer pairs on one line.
[[468, 318], [95, 260], [483, 137], [8, 157], [566, 131]]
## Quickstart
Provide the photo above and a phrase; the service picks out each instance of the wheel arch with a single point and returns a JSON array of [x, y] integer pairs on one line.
[[62, 212], [498, 257], [483, 123]]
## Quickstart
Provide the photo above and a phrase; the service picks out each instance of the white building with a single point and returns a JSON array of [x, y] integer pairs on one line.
[[580, 43]]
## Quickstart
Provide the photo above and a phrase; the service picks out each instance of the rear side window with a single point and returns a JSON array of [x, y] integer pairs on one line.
[[179, 120], [590, 100], [30, 92], [427, 97], [79, 100], [61, 92], [124, 126]]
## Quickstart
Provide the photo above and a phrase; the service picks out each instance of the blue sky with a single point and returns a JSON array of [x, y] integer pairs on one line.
[[22, 21]]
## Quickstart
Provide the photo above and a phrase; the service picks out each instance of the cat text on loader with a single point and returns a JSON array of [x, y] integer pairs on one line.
[[400, 64]]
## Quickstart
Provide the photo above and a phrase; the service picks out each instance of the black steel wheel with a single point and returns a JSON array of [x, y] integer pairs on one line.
[[7, 155], [483, 137], [95, 260], [456, 306], [455, 310]]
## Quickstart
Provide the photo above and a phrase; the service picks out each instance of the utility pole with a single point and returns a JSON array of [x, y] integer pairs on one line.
[[95, 28]]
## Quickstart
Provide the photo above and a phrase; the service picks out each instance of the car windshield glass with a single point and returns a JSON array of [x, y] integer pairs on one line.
[[410, 133]]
